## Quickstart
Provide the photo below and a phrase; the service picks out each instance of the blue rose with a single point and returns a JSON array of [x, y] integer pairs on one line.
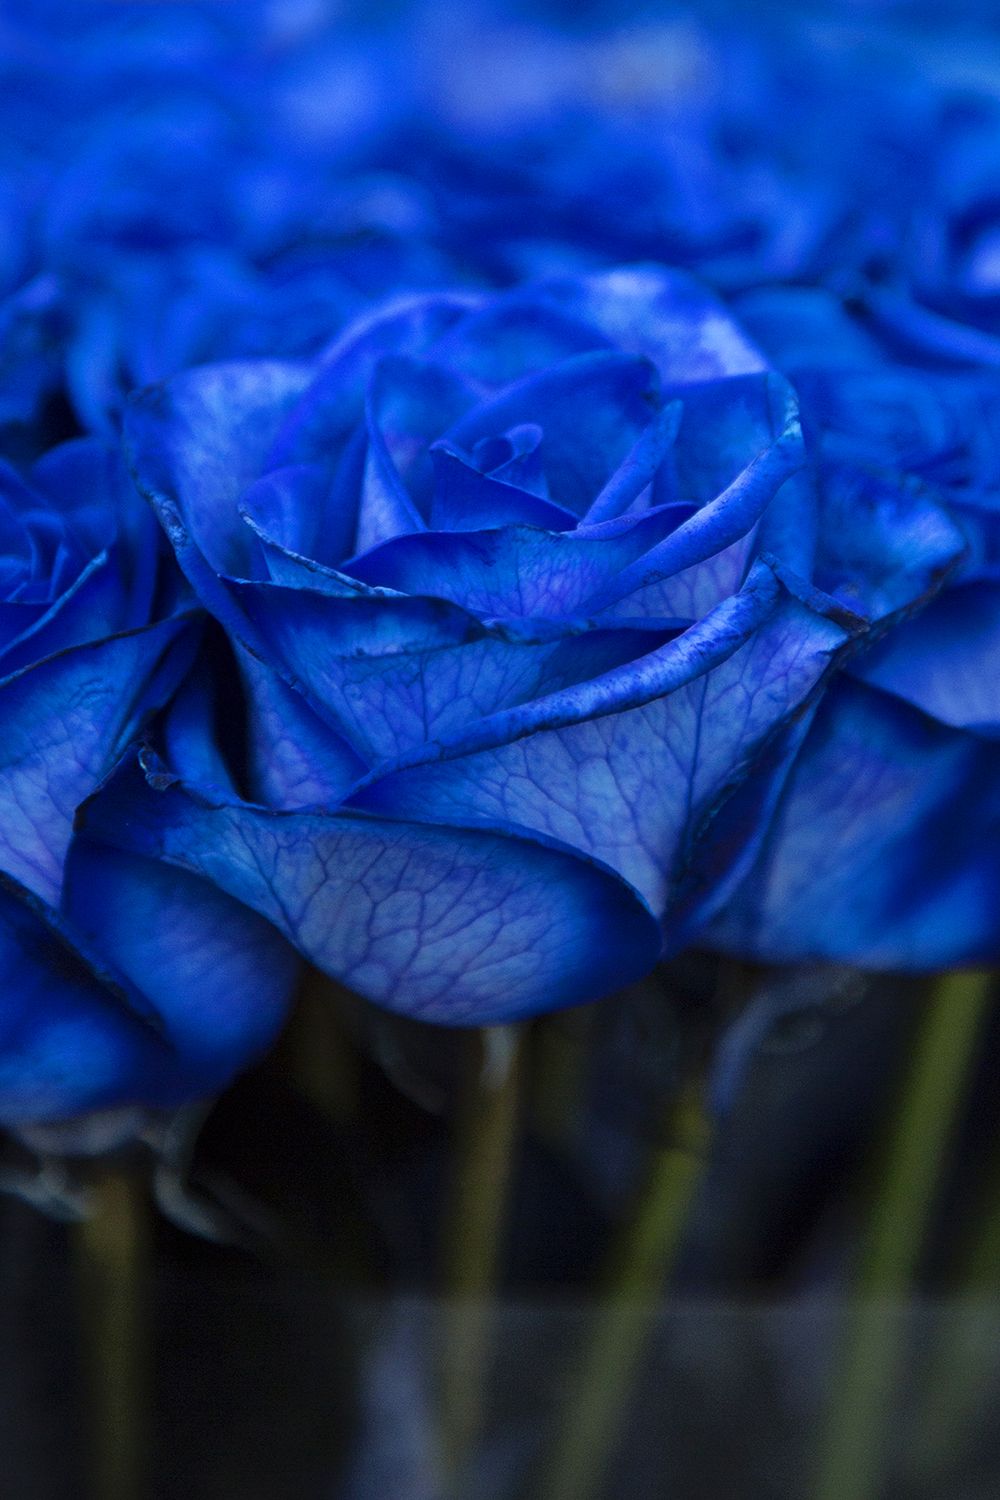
[[181, 186], [519, 591], [885, 846], [748, 150], [123, 981]]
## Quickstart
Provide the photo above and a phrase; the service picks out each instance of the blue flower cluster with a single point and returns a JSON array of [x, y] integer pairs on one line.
[[488, 500]]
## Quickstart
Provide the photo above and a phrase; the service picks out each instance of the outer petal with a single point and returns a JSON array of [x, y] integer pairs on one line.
[[294, 758], [64, 721], [451, 925], [885, 851], [289, 511], [196, 442], [514, 335], [946, 660], [219, 978], [666, 315], [392, 674], [70, 1037], [800, 327], [627, 767], [883, 546]]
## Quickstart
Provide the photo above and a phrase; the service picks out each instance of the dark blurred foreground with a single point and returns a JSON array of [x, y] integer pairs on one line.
[[297, 1344]]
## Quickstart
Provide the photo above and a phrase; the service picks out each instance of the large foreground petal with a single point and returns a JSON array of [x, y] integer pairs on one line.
[[451, 925]]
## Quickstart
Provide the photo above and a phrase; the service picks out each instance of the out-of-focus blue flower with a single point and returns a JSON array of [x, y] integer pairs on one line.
[[185, 182], [123, 981], [519, 589], [750, 151], [885, 848]]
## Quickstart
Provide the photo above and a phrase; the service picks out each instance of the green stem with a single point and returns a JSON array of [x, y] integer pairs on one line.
[[595, 1401], [112, 1253], [963, 1361], [485, 1137], [853, 1448]]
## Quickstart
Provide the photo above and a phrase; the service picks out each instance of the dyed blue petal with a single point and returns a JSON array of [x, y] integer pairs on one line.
[[294, 758], [712, 529], [930, 336], [408, 404], [517, 570], [33, 327], [639, 467], [450, 925], [946, 660], [196, 442], [465, 499], [286, 566], [64, 722], [70, 1038], [319, 425], [90, 486], [190, 725], [219, 978], [883, 546], [667, 316], [628, 766], [514, 335], [891, 418], [15, 501], [514, 458], [395, 674], [94, 606], [733, 841], [802, 327], [725, 425], [885, 851], [289, 512], [93, 363], [591, 409]]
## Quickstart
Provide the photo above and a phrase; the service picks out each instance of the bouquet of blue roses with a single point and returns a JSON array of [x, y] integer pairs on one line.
[[465, 559]]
